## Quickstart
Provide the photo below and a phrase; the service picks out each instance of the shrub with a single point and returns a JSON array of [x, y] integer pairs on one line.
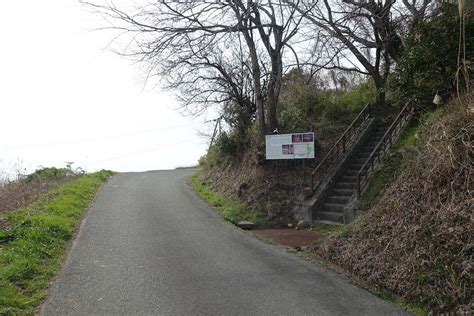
[[227, 143], [303, 113], [357, 98], [429, 61], [49, 173], [346, 105]]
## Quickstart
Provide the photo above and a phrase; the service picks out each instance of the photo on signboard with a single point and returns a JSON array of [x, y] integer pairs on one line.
[[297, 138], [287, 150], [308, 138]]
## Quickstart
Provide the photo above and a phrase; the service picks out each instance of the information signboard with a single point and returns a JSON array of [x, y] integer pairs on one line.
[[289, 146]]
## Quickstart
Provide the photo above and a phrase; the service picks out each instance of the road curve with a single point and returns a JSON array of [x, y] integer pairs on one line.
[[150, 246]]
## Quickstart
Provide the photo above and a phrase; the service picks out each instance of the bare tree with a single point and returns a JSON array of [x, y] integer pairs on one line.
[[200, 48], [363, 36]]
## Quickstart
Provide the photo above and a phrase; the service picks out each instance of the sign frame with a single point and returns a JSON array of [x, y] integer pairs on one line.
[[290, 146]]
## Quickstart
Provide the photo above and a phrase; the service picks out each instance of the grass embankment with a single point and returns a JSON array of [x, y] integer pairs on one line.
[[229, 209], [416, 242], [32, 248]]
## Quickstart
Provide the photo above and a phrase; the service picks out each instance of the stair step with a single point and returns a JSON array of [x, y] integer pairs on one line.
[[355, 166], [366, 149], [351, 172], [365, 154], [330, 216], [334, 207], [343, 192], [338, 199], [345, 185], [372, 144], [377, 135], [359, 160], [348, 178]]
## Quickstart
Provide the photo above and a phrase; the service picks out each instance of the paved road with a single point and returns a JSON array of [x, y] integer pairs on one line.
[[150, 246]]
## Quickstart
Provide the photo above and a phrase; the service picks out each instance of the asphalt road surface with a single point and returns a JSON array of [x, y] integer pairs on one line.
[[150, 246]]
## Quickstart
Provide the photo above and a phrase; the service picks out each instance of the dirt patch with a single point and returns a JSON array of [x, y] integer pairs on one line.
[[289, 237]]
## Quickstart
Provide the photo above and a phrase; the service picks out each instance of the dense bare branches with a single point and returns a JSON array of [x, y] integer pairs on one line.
[[235, 52], [362, 36], [210, 51]]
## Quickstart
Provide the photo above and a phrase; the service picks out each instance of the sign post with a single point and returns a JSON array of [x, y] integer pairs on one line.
[[289, 146]]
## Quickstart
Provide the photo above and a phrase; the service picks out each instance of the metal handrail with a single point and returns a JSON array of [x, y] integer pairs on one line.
[[383, 145], [339, 147]]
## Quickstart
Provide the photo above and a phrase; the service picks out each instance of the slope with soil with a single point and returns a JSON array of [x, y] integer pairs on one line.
[[270, 187], [417, 241]]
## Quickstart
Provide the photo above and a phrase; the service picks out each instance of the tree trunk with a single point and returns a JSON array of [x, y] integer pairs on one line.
[[259, 100], [380, 97], [274, 88], [257, 86], [380, 87]]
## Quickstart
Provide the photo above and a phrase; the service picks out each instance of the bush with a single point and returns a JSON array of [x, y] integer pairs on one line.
[[429, 61], [48, 173], [227, 144], [303, 113], [347, 104], [211, 158], [357, 98]]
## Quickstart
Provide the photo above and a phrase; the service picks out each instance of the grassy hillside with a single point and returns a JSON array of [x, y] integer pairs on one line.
[[416, 241], [34, 239]]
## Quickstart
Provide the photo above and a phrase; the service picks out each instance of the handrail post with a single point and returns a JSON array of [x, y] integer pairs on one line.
[[358, 185]]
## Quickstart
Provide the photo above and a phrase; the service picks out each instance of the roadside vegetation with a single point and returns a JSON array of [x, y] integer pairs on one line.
[[228, 208], [35, 237], [23, 189]]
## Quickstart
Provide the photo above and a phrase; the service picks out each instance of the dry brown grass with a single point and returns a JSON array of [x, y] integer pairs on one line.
[[418, 241], [20, 193]]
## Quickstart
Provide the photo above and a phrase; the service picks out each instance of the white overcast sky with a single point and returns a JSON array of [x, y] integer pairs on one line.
[[63, 97]]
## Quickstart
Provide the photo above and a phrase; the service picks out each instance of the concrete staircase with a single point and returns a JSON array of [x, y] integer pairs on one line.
[[340, 193], [344, 172]]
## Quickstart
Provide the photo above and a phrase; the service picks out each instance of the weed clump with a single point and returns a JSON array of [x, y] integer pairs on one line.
[[26, 188]]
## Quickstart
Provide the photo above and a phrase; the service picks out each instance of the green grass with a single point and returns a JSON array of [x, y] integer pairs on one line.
[[389, 297], [326, 230], [33, 247], [229, 209]]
